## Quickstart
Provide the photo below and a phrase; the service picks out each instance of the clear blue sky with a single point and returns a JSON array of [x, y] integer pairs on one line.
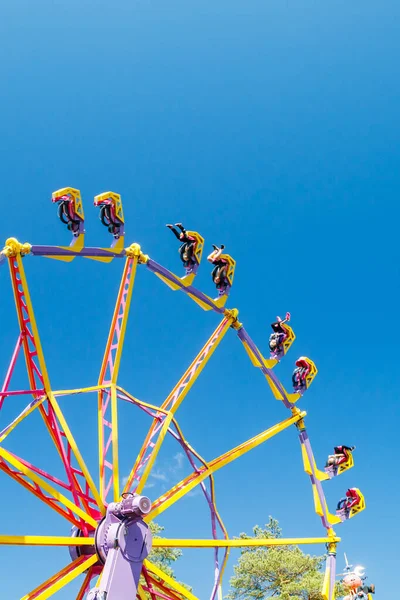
[[271, 127]]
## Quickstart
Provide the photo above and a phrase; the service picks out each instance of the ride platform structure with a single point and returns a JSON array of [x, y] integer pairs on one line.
[[110, 538]]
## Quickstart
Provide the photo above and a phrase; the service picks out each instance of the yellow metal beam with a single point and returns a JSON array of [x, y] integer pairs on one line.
[[172, 583], [141, 453], [76, 453], [117, 359], [223, 327], [175, 399], [130, 264], [46, 486], [44, 540], [187, 484], [84, 390], [114, 438], [27, 411], [140, 402], [258, 542], [118, 354], [326, 583], [154, 453], [141, 593], [42, 365], [35, 332], [85, 585], [61, 579]]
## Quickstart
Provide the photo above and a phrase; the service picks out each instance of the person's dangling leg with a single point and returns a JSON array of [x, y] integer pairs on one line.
[[214, 273], [182, 249], [331, 460], [189, 249], [176, 233], [215, 254], [220, 277]]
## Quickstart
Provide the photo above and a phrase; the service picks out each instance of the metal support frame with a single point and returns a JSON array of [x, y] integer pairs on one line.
[[107, 395], [87, 505]]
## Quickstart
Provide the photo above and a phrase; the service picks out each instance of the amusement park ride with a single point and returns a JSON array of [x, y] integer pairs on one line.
[[353, 581], [111, 540]]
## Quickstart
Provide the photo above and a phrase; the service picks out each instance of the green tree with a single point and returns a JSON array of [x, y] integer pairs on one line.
[[164, 558], [279, 572]]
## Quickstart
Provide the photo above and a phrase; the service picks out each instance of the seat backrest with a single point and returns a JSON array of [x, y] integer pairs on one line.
[[199, 244], [231, 267]]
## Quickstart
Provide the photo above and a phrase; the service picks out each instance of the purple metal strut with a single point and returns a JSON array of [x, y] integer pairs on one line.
[[156, 268], [123, 540], [244, 336], [332, 565], [303, 436], [210, 497], [211, 503], [58, 251]]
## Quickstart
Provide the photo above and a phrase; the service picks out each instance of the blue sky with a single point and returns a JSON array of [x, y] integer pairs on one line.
[[271, 127]]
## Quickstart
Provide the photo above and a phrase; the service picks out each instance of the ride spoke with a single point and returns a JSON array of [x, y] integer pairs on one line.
[[38, 486], [140, 593], [107, 399], [174, 585], [187, 484], [149, 586], [150, 449], [258, 542], [26, 412], [61, 579], [44, 540], [159, 590], [39, 380], [10, 370], [85, 585]]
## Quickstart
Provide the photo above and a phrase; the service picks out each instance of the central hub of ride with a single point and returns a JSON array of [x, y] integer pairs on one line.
[[122, 541], [123, 527]]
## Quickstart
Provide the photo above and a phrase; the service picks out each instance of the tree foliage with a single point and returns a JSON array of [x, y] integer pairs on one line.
[[163, 558], [279, 572]]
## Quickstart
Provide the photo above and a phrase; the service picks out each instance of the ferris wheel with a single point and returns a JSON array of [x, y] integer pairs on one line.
[[110, 539]]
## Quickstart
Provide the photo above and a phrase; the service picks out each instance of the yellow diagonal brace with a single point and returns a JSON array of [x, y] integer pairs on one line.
[[61, 579], [130, 265], [44, 540], [140, 402], [172, 583], [114, 437], [76, 452], [155, 451], [141, 593], [175, 399], [35, 332], [326, 584], [27, 411], [118, 354], [84, 586], [224, 327], [212, 489], [43, 369], [92, 388], [254, 542], [117, 359], [12, 460], [187, 484]]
